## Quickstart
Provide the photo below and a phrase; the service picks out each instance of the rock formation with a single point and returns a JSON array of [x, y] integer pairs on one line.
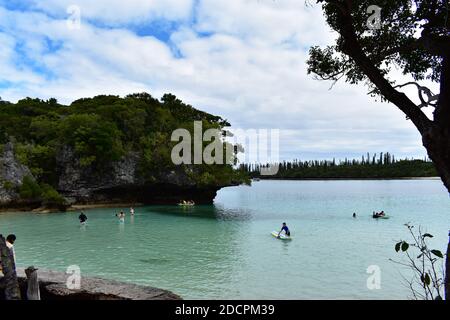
[[53, 286]]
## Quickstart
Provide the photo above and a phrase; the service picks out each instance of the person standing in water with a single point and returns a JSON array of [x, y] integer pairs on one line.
[[285, 229], [83, 218], [121, 216], [132, 211]]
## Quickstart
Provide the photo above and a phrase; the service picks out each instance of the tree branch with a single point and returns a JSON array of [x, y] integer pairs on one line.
[[352, 48]]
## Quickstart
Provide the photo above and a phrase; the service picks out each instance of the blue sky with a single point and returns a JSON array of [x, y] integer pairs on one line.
[[244, 60]]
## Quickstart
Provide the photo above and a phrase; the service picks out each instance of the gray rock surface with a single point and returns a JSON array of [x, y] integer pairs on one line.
[[12, 173], [121, 181], [117, 182], [53, 286], [80, 183]]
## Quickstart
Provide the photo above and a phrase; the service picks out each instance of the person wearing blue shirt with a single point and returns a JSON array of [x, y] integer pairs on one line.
[[285, 229]]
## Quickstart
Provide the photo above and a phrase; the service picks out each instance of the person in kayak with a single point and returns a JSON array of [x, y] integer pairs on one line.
[[285, 229], [83, 218]]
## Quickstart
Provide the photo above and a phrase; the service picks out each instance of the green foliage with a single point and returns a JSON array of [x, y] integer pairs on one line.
[[427, 280], [40, 159], [102, 130], [30, 189], [394, 46], [51, 196], [8, 185], [93, 138]]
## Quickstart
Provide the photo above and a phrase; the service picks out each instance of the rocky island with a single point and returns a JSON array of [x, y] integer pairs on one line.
[[102, 150]]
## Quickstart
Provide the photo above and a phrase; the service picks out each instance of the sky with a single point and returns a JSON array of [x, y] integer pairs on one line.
[[244, 60]]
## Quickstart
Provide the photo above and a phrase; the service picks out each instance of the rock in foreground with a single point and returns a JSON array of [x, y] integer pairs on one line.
[[53, 287]]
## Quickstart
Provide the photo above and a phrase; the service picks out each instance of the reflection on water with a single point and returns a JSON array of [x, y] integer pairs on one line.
[[226, 250], [216, 212]]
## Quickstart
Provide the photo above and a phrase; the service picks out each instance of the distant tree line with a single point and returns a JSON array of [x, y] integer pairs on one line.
[[375, 166]]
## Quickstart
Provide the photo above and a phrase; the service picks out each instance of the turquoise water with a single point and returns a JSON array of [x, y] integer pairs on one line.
[[225, 251]]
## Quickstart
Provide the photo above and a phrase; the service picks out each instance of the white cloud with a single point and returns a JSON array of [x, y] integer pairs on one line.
[[120, 11], [250, 68]]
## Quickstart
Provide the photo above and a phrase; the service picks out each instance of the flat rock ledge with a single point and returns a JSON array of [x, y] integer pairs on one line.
[[53, 287]]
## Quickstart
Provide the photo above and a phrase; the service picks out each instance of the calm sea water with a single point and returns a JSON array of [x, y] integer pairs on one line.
[[225, 251]]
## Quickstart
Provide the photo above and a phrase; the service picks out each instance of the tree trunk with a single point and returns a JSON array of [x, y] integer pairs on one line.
[[437, 139], [437, 142], [447, 272], [12, 291]]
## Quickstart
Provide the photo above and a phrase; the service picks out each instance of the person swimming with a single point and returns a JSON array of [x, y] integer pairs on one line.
[[285, 229]]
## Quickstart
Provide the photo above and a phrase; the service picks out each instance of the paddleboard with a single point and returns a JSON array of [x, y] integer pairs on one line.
[[384, 217], [282, 236]]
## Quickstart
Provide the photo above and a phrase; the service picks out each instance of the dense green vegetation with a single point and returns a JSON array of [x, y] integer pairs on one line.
[[383, 166], [101, 130]]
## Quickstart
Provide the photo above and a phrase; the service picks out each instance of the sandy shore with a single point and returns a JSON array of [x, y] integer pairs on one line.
[[73, 208], [103, 205]]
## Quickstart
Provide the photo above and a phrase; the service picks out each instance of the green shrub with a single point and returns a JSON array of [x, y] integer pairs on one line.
[[8, 185], [50, 195], [30, 189]]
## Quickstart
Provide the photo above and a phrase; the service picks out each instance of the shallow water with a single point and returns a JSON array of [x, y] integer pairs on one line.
[[225, 251]]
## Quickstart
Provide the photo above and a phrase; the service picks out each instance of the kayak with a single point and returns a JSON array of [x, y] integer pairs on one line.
[[380, 217], [281, 237]]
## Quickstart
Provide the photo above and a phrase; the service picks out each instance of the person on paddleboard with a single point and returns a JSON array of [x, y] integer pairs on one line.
[[285, 229]]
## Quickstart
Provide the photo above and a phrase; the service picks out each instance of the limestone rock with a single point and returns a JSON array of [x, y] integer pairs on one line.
[[53, 287], [12, 173]]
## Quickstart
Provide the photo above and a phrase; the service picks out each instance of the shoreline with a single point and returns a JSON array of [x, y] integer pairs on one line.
[[79, 207], [73, 208]]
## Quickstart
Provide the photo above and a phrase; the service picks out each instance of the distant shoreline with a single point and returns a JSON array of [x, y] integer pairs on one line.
[[111, 205]]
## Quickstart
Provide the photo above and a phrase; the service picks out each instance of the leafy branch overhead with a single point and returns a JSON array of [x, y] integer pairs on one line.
[[412, 36], [395, 45]]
